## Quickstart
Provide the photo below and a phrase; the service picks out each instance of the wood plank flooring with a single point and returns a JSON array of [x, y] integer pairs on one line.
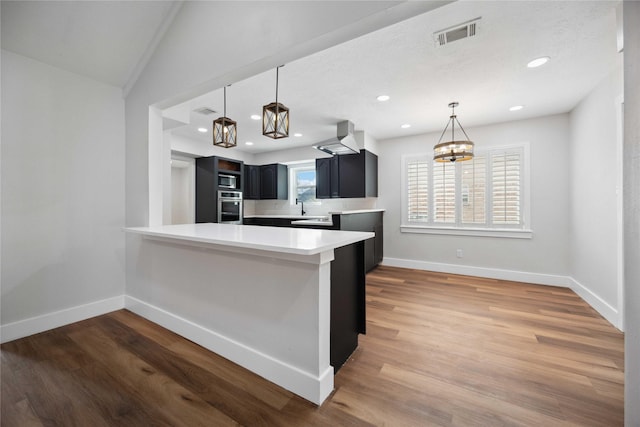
[[440, 350]]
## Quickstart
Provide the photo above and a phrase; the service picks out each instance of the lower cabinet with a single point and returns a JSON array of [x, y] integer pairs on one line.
[[271, 222], [348, 303], [368, 221]]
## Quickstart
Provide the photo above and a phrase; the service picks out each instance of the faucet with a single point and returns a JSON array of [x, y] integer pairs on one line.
[[302, 203]]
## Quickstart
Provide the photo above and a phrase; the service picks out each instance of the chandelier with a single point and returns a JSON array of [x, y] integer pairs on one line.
[[453, 150]]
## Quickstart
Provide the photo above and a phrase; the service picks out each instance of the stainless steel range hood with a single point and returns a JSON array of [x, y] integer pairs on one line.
[[343, 143]]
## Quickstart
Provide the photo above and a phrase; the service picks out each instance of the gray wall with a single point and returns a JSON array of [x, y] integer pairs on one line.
[[632, 210]]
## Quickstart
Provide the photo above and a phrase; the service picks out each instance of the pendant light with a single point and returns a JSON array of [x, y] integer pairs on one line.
[[453, 151], [275, 117], [225, 131]]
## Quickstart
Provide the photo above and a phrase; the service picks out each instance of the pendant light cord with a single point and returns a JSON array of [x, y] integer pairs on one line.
[[277, 68], [225, 102]]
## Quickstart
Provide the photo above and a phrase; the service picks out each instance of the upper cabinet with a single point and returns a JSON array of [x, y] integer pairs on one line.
[[251, 182], [266, 182], [347, 176], [327, 177]]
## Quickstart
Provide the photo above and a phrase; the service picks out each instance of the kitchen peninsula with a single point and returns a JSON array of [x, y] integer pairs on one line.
[[285, 303]]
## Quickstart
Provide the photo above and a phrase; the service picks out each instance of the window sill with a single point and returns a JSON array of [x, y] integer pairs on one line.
[[478, 232]]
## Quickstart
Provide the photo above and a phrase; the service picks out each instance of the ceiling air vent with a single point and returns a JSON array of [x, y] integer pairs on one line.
[[457, 32], [205, 110]]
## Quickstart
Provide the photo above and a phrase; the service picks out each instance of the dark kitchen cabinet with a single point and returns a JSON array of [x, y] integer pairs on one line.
[[327, 177], [368, 221], [270, 222], [251, 182], [347, 176], [274, 182], [348, 303], [207, 171]]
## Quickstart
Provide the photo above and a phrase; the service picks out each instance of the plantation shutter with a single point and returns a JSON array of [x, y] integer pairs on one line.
[[473, 190], [506, 170], [444, 192], [418, 190]]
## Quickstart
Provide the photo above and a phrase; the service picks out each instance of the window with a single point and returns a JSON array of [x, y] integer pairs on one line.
[[303, 182], [483, 196]]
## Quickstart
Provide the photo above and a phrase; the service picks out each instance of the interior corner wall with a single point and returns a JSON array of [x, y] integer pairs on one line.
[[62, 190], [545, 254], [631, 185], [593, 192]]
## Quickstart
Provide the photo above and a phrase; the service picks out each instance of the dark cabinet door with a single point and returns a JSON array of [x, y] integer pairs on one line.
[[323, 178], [252, 182], [206, 187], [334, 181], [351, 175], [268, 183], [378, 243], [274, 181], [370, 174]]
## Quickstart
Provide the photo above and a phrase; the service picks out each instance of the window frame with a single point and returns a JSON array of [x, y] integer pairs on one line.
[[293, 182], [458, 228]]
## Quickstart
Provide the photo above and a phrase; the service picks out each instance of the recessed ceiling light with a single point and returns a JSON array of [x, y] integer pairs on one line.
[[383, 98], [297, 134], [203, 130], [255, 117], [516, 108], [405, 126], [248, 143], [538, 62]]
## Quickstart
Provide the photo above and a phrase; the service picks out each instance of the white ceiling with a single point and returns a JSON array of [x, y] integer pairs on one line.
[[104, 40], [487, 74], [108, 40]]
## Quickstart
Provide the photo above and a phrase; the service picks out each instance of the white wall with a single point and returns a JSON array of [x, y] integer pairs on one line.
[[594, 176], [632, 212], [181, 195], [62, 190], [547, 253]]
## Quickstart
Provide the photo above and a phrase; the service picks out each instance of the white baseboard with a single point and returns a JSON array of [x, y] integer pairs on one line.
[[598, 304], [490, 273], [608, 312], [45, 322], [315, 389]]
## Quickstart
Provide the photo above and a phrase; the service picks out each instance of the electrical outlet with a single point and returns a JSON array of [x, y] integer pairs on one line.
[[459, 253]]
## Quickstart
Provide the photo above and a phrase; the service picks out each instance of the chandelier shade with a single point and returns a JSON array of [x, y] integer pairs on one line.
[[275, 118], [454, 150], [225, 130]]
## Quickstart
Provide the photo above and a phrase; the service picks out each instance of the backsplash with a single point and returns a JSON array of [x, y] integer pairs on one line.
[[322, 207]]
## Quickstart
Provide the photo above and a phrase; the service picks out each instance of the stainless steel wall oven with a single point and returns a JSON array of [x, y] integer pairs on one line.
[[230, 207]]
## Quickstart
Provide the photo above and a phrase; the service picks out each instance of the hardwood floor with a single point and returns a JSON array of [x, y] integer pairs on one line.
[[440, 350]]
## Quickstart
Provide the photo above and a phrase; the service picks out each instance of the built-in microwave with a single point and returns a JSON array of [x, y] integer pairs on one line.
[[226, 181]]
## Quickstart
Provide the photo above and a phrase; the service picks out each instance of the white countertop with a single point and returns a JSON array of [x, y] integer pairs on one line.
[[300, 241]]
